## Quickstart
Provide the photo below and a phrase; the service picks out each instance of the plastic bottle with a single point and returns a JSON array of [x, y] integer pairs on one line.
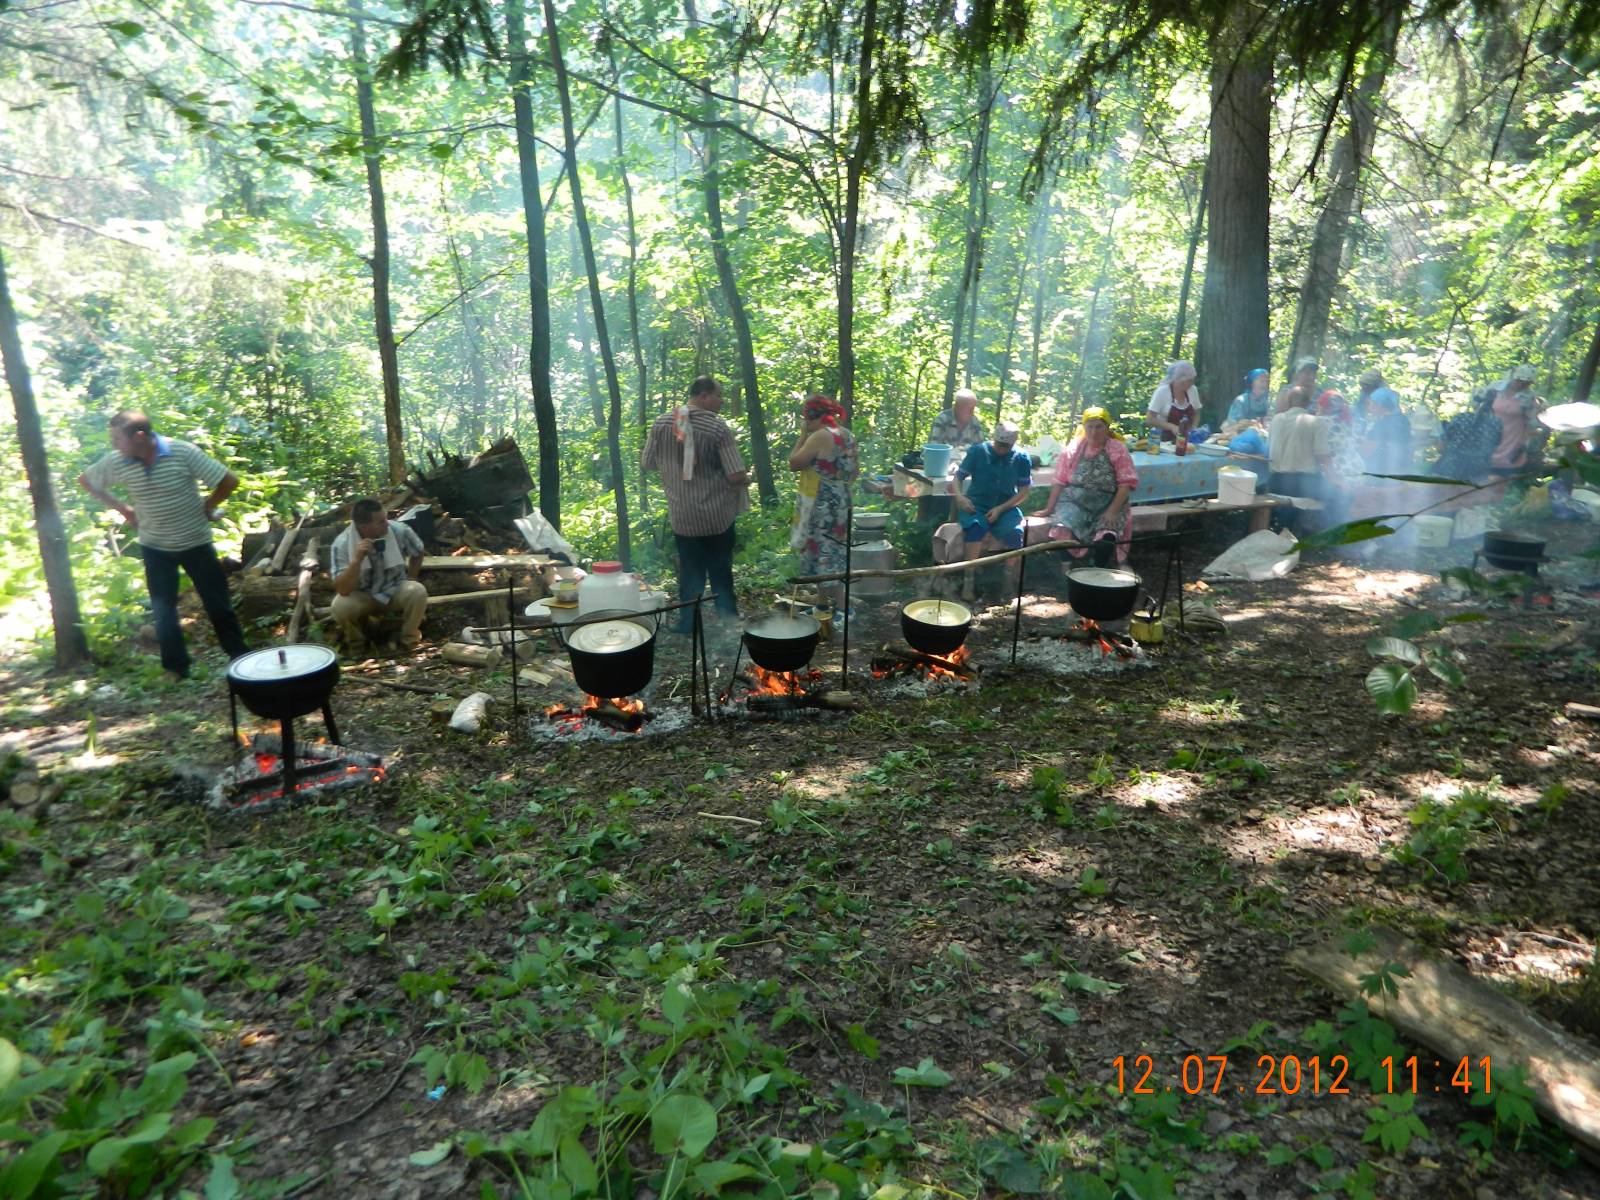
[[606, 587], [1182, 447]]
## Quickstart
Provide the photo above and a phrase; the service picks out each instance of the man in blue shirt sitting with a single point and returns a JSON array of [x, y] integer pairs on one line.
[[991, 486]]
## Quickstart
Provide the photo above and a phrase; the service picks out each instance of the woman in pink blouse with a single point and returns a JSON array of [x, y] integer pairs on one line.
[[1089, 500]]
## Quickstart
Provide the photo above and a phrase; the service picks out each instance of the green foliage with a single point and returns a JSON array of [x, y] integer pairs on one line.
[[1443, 831]]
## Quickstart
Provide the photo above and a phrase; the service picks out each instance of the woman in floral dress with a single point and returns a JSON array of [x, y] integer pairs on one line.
[[829, 449]]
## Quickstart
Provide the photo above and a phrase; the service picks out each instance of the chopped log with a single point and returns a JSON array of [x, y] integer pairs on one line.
[[282, 556], [250, 544], [302, 591], [1457, 1016], [265, 595], [466, 655], [1582, 712], [263, 559]]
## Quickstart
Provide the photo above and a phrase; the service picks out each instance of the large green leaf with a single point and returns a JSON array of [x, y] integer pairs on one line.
[[1392, 688], [108, 1153], [10, 1063], [682, 1124], [22, 1175], [1347, 534], [1446, 670], [1393, 647], [1444, 479]]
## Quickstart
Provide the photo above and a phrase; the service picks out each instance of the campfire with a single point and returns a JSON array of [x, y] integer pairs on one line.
[[1093, 633], [897, 659], [621, 714], [263, 780], [786, 695]]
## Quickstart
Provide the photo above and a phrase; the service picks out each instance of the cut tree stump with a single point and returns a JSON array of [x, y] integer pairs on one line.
[[1457, 1016]]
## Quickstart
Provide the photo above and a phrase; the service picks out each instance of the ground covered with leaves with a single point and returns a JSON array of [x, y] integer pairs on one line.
[[911, 968]]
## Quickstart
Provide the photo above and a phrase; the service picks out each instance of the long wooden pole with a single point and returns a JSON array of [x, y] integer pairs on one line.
[[939, 569]]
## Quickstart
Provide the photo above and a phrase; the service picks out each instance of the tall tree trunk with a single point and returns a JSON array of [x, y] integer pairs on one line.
[[1039, 289], [544, 406], [861, 155], [1234, 335], [591, 379], [472, 347], [1030, 248], [382, 315], [71, 646], [1188, 265], [760, 451], [641, 374], [580, 218], [1586, 369], [976, 195], [1342, 205]]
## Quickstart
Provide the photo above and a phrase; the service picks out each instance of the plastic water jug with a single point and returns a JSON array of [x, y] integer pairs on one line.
[[1235, 485], [608, 587], [936, 460]]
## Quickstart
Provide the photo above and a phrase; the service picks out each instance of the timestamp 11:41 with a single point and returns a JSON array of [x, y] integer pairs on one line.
[[1286, 1075]]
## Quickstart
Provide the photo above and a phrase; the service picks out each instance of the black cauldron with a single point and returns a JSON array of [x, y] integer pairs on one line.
[[1102, 593], [782, 641], [285, 683], [613, 654], [1512, 551], [936, 627]]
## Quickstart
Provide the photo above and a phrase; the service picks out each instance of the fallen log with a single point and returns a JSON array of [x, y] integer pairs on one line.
[[282, 556], [1440, 1005], [263, 559], [1583, 712]]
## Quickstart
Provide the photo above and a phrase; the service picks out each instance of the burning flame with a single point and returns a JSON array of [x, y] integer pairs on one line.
[[931, 666], [624, 713], [780, 683], [1099, 638]]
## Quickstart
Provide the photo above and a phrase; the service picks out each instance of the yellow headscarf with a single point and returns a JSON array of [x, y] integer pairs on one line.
[[1097, 414]]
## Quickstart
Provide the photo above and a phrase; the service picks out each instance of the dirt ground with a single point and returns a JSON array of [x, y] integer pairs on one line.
[[1022, 880]]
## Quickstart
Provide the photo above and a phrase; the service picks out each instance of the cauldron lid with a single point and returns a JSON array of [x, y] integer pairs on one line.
[[938, 612], [608, 637], [782, 627], [281, 663], [1104, 577]]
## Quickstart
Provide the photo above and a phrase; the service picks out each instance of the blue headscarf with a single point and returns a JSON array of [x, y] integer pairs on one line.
[[1251, 377]]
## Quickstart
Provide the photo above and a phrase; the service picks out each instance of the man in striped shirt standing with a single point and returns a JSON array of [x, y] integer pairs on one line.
[[160, 476], [707, 487]]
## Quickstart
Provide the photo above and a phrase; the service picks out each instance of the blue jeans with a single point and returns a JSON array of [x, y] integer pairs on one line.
[[210, 584], [701, 559]]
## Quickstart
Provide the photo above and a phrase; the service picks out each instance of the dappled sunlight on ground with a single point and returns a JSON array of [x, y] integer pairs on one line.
[[1161, 791]]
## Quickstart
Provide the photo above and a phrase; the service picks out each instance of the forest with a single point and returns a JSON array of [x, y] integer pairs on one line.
[[923, 944]]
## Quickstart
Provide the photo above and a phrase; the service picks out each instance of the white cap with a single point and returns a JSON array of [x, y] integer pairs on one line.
[[1006, 432]]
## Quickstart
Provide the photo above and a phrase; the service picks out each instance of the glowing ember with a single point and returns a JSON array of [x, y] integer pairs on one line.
[[1109, 643], [255, 783], [780, 683], [623, 713], [957, 665]]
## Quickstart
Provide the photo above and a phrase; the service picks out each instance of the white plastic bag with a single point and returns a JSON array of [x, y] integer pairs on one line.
[[542, 537], [469, 714], [1262, 555]]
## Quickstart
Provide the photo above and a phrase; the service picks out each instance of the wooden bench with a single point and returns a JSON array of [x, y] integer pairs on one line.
[[1150, 517]]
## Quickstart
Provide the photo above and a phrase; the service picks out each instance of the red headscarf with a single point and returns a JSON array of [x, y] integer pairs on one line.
[[821, 408], [1331, 404]]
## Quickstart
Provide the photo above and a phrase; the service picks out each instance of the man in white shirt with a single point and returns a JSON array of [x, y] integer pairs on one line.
[[1299, 454], [375, 566]]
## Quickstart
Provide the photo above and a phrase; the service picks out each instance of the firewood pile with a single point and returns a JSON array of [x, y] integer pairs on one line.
[[463, 510]]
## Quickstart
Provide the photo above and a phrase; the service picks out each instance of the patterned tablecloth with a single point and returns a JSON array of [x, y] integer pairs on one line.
[[1161, 476]]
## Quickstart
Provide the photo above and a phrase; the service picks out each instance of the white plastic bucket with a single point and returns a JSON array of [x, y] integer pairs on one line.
[[1434, 531], [1235, 485]]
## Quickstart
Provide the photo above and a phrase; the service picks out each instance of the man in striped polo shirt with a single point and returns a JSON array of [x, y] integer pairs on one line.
[[707, 486], [160, 477]]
